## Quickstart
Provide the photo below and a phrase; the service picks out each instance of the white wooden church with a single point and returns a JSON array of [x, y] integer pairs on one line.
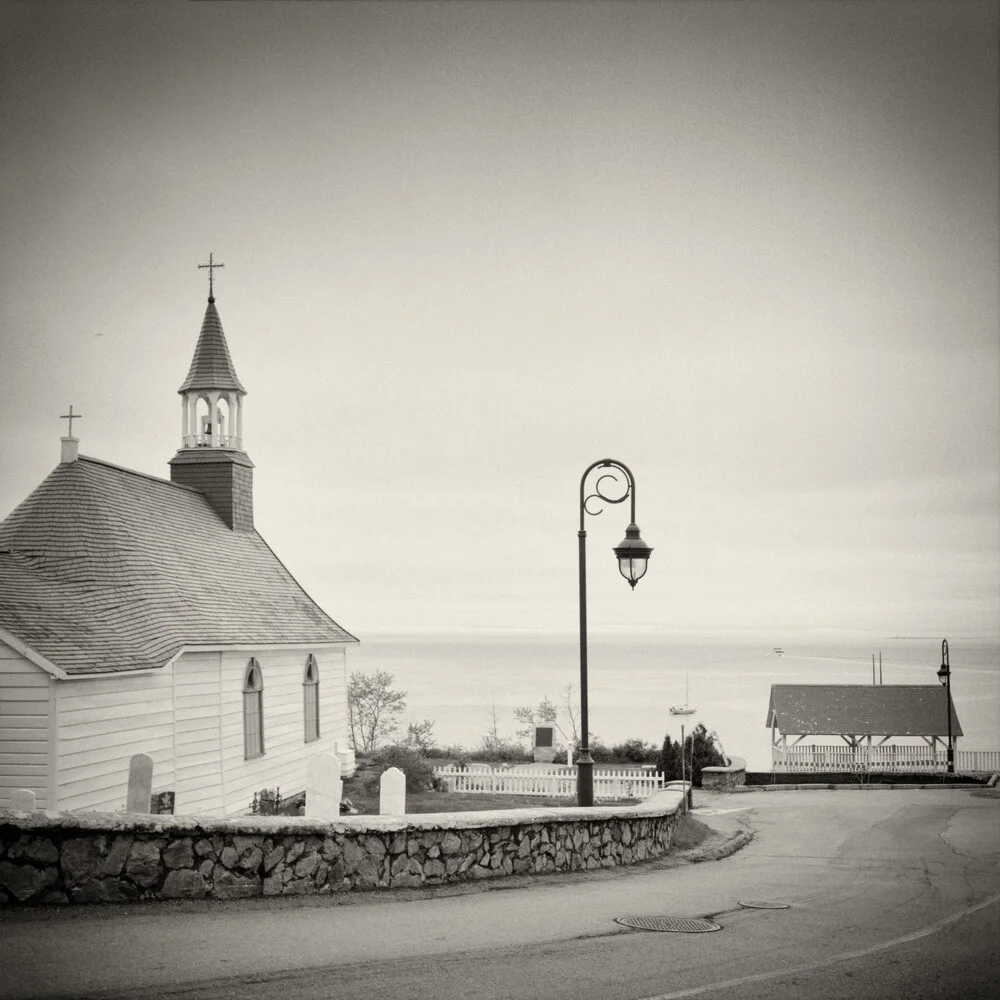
[[147, 615]]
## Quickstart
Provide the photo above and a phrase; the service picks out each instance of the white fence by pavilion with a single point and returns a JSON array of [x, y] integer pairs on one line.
[[884, 758], [551, 780]]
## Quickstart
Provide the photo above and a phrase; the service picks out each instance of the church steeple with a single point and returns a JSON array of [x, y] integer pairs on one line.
[[212, 381], [211, 457]]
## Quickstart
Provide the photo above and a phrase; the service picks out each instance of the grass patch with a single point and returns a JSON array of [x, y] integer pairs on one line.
[[425, 802], [367, 802], [364, 796], [688, 833]]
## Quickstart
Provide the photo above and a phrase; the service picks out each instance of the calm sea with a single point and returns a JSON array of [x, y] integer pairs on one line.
[[459, 680]]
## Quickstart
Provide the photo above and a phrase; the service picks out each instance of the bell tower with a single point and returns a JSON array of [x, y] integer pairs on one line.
[[211, 457]]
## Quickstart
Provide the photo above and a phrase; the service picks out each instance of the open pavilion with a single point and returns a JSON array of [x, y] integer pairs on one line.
[[883, 727]]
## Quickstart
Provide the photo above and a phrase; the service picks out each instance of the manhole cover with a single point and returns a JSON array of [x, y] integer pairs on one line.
[[683, 925], [757, 904]]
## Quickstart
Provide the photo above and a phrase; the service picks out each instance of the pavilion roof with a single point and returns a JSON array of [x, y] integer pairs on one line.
[[860, 709]]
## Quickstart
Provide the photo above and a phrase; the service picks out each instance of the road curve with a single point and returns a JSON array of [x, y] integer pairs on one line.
[[889, 894]]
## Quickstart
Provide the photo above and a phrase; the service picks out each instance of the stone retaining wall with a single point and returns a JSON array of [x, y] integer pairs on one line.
[[724, 779], [50, 857]]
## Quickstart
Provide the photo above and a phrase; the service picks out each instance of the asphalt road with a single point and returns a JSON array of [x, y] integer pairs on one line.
[[890, 894]]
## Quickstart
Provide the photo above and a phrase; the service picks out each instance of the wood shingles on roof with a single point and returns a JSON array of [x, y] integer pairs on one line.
[[211, 366], [860, 709], [104, 569]]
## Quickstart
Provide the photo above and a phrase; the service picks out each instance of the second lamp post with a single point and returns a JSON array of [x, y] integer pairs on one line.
[[944, 676], [633, 556]]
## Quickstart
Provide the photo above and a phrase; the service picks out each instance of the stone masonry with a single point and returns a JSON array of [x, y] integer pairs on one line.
[[48, 857], [724, 779]]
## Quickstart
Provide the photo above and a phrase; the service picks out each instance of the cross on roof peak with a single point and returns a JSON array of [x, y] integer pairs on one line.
[[71, 416], [211, 265]]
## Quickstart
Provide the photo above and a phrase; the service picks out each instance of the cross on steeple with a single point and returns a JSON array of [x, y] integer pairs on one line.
[[71, 416], [211, 265]]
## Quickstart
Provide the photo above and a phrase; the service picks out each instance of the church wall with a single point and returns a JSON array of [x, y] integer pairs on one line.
[[283, 764], [197, 733], [333, 695], [188, 718], [24, 727], [103, 721]]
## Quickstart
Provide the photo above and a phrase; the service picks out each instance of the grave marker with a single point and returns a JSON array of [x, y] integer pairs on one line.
[[323, 786], [162, 803], [140, 783], [392, 793], [544, 751], [23, 800]]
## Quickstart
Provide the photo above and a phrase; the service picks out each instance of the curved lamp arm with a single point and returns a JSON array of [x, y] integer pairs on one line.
[[631, 552], [599, 495]]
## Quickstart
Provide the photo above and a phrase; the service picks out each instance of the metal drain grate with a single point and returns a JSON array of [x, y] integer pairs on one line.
[[757, 904], [682, 925]]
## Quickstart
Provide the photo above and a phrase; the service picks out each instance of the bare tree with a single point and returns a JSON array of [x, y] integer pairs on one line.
[[492, 741], [574, 730], [420, 735], [373, 709]]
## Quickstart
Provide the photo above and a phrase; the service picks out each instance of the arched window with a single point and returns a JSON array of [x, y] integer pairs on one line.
[[253, 711], [310, 697]]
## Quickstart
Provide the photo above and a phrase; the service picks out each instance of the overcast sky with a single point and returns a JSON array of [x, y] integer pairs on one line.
[[748, 249]]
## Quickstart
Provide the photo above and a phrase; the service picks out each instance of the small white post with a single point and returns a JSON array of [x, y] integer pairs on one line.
[[392, 793], [323, 786]]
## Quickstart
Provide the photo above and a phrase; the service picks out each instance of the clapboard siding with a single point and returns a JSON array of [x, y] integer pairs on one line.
[[113, 695], [283, 764], [198, 773], [187, 717], [24, 727], [103, 722], [158, 743], [8, 760], [20, 698], [81, 730]]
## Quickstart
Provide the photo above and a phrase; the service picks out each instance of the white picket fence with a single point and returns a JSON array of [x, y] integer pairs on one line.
[[551, 780], [883, 758]]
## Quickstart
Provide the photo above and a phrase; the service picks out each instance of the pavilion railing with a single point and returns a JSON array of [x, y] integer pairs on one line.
[[894, 757]]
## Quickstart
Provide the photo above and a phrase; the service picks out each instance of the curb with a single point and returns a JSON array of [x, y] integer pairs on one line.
[[955, 785], [716, 852]]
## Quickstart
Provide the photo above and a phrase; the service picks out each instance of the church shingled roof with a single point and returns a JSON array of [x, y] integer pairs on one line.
[[211, 366], [103, 569], [861, 710]]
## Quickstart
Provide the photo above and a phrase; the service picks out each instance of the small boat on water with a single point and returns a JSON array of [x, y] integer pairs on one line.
[[778, 651], [684, 709]]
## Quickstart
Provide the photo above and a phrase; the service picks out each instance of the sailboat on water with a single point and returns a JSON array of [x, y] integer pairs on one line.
[[686, 708]]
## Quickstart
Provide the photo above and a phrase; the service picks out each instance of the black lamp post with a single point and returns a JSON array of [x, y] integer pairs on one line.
[[944, 676], [633, 557]]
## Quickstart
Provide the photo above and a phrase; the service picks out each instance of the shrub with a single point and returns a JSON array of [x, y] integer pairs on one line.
[[700, 750], [418, 770], [453, 751], [634, 751], [503, 750], [600, 752]]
